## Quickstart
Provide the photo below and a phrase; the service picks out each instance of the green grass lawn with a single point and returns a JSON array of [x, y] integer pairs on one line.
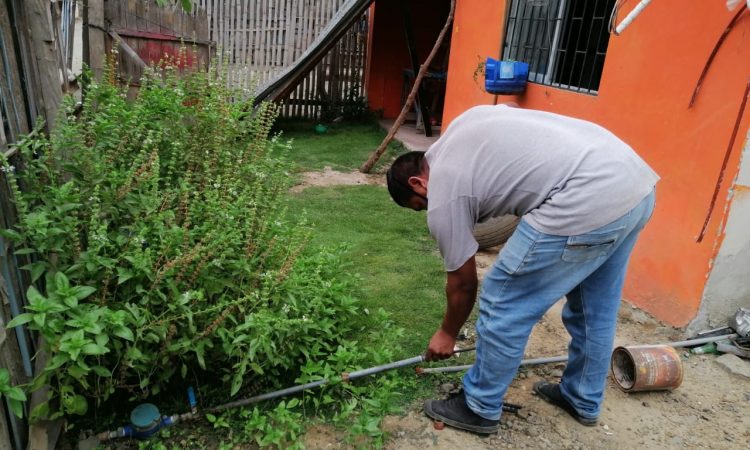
[[343, 147], [389, 247]]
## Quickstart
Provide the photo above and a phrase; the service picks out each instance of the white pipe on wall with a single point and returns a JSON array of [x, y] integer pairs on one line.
[[630, 17]]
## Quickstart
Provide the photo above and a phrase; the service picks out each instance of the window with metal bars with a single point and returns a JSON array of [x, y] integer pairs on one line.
[[563, 41]]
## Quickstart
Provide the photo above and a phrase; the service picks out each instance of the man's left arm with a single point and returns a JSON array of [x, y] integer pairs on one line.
[[461, 292]]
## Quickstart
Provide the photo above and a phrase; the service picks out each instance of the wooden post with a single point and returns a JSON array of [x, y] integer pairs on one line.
[[128, 50], [94, 50], [44, 433], [48, 64], [5, 436], [17, 109], [5, 431], [10, 358], [411, 45]]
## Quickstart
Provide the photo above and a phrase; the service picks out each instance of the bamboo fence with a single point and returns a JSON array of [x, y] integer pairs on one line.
[[257, 39]]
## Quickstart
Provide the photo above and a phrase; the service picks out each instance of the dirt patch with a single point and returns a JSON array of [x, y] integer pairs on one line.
[[330, 177], [319, 437], [710, 410]]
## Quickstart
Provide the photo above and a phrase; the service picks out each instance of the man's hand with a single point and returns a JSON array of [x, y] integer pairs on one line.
[[441, 346], [460, 290]]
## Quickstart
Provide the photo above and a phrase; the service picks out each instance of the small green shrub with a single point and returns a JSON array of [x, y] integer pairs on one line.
[[161, 247], [352, 108], [357, 407]]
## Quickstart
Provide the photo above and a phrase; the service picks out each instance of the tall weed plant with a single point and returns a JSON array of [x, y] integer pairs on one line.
[[161, 249]]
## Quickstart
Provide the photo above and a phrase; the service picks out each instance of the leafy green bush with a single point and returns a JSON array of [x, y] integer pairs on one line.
[[357, 407], [161, 247], [352, 108]]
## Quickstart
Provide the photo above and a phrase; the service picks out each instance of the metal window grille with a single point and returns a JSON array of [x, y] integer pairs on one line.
[[563, 41]]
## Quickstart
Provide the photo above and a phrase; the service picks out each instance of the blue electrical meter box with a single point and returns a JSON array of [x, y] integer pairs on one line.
[[505, 77]]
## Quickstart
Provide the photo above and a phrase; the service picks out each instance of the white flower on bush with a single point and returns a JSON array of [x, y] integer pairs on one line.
[[8, 169], [286, 309]]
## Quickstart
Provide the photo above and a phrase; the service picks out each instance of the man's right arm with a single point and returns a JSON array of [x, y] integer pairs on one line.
[[460, 291]]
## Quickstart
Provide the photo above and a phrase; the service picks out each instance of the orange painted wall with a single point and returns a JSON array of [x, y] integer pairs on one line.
[[649, 75], [389, 55]]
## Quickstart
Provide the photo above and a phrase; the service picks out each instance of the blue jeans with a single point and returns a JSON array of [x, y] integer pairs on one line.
[[533, 271]]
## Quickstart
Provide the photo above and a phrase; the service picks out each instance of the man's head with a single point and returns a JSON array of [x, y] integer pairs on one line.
[[407, 181]]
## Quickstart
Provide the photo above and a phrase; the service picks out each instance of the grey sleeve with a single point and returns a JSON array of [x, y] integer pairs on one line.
[[452, 226]]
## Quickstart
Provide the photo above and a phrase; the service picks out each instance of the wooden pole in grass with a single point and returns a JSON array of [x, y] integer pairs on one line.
[[368, 165]]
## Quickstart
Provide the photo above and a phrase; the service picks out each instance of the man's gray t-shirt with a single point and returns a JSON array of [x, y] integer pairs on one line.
[[564, 176]]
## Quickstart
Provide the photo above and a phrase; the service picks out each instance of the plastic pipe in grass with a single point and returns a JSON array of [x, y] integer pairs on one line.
[[345, 377], [160, 422]]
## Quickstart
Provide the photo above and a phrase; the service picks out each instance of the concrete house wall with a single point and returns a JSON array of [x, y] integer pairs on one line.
[[728, 287]]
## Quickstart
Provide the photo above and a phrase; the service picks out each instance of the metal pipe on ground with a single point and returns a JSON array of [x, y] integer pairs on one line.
[[345, 377], [563, 358], [525, 362], [128, 430]]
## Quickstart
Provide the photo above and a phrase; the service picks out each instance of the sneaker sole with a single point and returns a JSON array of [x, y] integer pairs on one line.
[[461, 426], [580, 419]]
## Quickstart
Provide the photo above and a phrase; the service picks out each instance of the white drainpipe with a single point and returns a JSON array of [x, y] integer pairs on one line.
[[633, 14]]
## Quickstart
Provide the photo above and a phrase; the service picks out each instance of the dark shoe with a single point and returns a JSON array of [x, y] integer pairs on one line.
[[455, 413], [550, 392]]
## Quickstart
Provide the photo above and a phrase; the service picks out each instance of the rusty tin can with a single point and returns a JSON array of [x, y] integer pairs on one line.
[[646, 368]]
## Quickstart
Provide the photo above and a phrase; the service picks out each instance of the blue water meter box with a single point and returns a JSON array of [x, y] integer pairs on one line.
[[505, 77]]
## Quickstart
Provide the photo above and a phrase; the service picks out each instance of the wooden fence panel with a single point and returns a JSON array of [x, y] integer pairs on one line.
[[147, 34], [337, 79], [13, 107], [31, 61], [257, 39]]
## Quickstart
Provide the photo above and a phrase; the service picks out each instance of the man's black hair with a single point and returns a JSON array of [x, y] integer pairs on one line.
[[405, 166]]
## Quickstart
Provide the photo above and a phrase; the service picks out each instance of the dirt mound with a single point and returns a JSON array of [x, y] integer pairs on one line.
[[330, 177]]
